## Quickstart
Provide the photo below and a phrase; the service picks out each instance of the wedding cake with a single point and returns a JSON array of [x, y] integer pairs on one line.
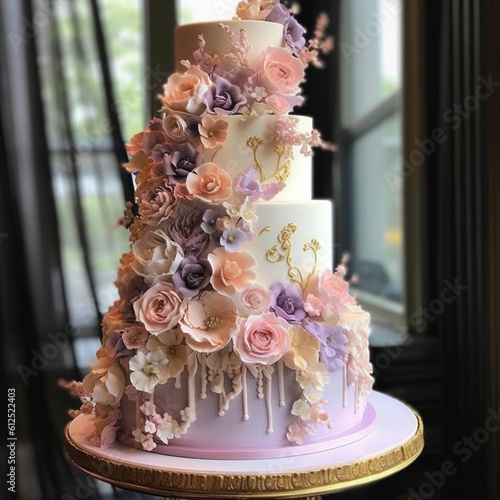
[[232, 336]]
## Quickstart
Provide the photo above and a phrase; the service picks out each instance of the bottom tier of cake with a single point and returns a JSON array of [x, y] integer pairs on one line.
[[249, 418]]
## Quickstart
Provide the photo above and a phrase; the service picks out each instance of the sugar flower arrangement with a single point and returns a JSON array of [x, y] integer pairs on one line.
[[187, 289]]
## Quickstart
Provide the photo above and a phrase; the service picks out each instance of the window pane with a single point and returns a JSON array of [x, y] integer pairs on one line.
[[98, 175], [370, 55], [192, 11], [377, 211]]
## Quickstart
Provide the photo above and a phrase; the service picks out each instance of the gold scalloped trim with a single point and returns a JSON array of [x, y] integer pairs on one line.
[[283, 485]]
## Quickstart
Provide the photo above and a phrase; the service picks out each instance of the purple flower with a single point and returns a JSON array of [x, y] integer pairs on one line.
[[184, 227], [192, 127], [269, 191], [115, 346], [332, 352], [287, 302], [210, 217], [292, 30], [224, 98], [232, 239], [192, 276], [177, 160], [248, 184]]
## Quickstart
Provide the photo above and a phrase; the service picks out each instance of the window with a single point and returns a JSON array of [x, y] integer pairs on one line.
[[370, 49], [98, 181], [192, 11]]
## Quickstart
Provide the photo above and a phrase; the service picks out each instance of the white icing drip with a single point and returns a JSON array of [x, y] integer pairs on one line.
[[244, 392], [260, 390], [192, 369], [281, 383], [178, 382], [344, 386], [203, 375], [237, 385], [267, 371]]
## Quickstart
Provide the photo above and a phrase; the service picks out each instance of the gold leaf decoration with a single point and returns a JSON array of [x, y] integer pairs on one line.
[[284, 253]]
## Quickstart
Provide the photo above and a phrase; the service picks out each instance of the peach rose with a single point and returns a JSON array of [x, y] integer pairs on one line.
[[159, 309], [209, 183], [184, 92], [261, 339], [255, 10], [280, 72], [255, 299], [208, 321], [231, 271]]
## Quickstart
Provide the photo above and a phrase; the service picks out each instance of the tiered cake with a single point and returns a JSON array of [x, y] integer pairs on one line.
[[232, 337]]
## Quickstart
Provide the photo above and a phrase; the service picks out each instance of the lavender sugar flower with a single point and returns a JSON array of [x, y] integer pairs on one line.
[[178, 161], [232, 239], [293, 31], [287, 302], [224, 98], [332, 352], [192, 276]]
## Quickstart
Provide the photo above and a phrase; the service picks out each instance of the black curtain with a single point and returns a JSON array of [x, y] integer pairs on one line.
[[36, 336]]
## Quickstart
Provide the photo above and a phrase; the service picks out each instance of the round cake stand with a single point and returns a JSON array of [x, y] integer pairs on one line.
[[396, 441]]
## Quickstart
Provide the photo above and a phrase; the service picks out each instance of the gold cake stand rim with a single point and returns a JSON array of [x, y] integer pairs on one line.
[[157, 481]]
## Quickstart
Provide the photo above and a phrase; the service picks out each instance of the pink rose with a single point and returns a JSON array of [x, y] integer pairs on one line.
[[208, 182], [327, 294], [280, 106], [231, 271], [255, 299], [280, 72], [184, 92], [262, 339], [159, 309], [208, 321]]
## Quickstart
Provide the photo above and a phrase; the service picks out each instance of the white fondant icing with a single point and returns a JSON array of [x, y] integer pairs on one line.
[[313, 220], [260, 35], [236, 156]]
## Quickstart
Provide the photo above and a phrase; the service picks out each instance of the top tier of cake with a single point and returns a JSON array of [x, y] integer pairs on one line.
[[261, 36], [259, 133]]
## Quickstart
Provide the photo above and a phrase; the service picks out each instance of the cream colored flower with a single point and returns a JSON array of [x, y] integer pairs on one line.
[[106, 382], [147, 370], [171, 344], [304, 349]]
